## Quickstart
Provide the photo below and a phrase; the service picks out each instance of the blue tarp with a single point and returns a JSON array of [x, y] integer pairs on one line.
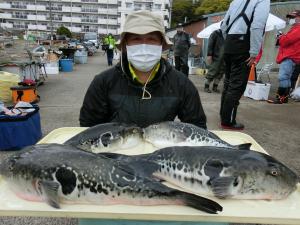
[[19, 131]]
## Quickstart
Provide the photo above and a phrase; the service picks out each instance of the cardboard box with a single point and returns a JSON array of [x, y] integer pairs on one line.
[[257, 91]]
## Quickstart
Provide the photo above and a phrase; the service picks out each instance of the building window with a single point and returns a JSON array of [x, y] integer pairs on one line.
[[148, 6], [19, 5], [129, 5], [89, 8], [157, 6], [137, 6]]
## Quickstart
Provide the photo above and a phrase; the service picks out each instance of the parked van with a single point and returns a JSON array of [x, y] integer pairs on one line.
[[92, 37]]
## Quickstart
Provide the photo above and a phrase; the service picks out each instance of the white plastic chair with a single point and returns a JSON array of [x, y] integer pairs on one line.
[[265, 71]]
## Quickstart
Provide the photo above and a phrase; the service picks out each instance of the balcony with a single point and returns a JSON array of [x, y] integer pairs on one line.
[[5, 15], [41, 7], [41, 17], [32, 27], [108, 11], [31, 17], [76, 19], [89, 10], [5, 6], [115, 2], [69, 9], [31, 7], [108, 21], [66, 19], [106, 31], [41, 27], [6, 25], [71, 1], [75, 29]]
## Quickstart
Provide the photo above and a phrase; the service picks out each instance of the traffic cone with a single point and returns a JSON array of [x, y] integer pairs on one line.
[[252, 73]]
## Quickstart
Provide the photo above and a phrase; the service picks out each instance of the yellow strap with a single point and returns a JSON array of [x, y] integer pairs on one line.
[[152, 75]]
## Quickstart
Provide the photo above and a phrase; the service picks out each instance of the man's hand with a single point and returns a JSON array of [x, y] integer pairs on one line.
[[250, 60], [209, 60]]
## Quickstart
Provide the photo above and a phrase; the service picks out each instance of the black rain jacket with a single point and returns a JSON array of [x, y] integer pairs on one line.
[[113, 96]]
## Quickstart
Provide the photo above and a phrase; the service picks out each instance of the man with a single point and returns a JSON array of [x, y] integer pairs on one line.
[[182, 44], [143, 88], [288, 56], [215, 53], [110, 42], [243, 30]]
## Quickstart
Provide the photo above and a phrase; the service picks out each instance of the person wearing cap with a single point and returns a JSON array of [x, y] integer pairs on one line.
[[288, 56], [143, 88], [243, 30], [182, 43]]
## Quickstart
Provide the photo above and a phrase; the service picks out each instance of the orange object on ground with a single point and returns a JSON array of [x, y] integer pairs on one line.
[[25, 94], [252, 73]]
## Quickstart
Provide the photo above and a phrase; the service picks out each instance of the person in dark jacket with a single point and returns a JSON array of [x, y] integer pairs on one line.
[[143, 88], [215, 60], [182, 44]]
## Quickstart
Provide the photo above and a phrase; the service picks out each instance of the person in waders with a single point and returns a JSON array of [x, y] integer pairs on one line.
[[243, 29]]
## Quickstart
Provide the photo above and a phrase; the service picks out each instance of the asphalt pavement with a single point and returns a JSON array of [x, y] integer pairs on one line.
[[275, 127]]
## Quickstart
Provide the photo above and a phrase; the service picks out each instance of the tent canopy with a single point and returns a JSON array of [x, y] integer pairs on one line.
[[273, 23]]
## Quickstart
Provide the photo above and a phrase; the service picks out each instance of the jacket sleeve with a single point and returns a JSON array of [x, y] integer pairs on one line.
[[211, 43], [94, 109], [290, 37], [260, 16], [191, 110]]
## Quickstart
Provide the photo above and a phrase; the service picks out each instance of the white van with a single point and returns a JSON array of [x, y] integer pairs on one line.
[[92, 37]]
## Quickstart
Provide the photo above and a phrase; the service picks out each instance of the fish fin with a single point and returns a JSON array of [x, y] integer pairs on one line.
[[245, 146], [198, 202], [213, 135], [220, 186], [141, 168], [51, 191]]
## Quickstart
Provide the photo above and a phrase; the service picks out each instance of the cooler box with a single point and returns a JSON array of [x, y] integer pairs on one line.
[[257, 91], [51, 68], [19, 131]]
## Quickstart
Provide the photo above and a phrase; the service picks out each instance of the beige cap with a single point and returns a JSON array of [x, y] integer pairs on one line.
[[143, 22]]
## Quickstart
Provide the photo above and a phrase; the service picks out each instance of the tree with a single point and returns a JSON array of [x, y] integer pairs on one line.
[[212, 6], [184, 9], [64, 31]]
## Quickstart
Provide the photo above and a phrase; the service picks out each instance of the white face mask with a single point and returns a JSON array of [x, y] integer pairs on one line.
[[292, 21], [144, 57]]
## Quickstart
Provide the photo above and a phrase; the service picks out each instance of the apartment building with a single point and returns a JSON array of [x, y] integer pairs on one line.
[[80, 16]]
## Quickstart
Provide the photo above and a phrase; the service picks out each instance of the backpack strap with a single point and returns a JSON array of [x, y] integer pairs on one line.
[[242, 14]]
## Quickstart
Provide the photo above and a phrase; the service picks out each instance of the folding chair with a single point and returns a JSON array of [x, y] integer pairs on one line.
[[264, 71]]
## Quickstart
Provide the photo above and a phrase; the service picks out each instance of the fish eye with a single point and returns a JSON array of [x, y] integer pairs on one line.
[[274, 172]]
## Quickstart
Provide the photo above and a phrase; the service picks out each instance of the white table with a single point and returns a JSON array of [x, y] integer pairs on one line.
[[240, 211]]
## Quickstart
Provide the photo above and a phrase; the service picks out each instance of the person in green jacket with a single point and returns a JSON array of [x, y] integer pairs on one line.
[[111, 42]]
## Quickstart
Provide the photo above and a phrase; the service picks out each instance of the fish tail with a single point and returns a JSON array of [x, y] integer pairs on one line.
[[245, 146], [198, 202]]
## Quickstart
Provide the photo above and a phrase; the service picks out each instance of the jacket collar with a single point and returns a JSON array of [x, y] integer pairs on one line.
[[123, 69]]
